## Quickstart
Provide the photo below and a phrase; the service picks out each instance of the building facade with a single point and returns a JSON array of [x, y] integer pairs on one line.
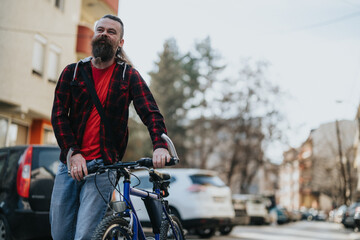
[[37, 40], [322, 171], [288, 194]]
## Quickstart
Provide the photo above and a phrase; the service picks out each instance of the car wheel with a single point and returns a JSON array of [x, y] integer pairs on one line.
[[4, 229], [205, 232], [225, 230]]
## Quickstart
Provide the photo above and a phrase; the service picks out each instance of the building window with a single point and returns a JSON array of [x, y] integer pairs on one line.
[[53, 63], [49, 137], [38, 55], [59, 4], [3, 131], [17, 134], [11, 133]]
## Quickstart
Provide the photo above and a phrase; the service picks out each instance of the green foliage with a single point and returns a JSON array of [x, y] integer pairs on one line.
[[172, 85], [167, 83], [139, 144]]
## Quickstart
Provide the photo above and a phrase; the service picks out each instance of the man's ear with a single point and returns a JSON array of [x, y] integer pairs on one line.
[[121, 43]]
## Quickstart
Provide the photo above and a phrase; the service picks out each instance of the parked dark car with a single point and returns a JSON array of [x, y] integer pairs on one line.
[[279, 215], [348, 220], [357, 217], [311, 214], [26, 181], [321, 216]]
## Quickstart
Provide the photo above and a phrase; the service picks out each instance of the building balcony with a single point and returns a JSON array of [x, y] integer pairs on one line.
[[92, 10], [83, 42]]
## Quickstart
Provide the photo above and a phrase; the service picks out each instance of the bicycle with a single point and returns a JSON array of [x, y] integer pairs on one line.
[[124, 222]]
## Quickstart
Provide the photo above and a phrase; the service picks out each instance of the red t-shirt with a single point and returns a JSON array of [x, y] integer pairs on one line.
[[90, 147]]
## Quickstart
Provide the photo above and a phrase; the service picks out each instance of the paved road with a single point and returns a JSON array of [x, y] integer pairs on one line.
[[302, 230]]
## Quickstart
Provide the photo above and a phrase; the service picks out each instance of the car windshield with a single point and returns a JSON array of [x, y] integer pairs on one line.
[[47, 158], [208, 180]]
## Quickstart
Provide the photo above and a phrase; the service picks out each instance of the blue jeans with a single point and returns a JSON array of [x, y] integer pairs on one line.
[[77, 207]]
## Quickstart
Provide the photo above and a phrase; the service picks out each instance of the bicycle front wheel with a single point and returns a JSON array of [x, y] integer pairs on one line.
[[166, 231], [112, 227]]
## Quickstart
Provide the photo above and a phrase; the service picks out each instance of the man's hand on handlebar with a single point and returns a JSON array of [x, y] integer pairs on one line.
[[160, 156], [78, 167]]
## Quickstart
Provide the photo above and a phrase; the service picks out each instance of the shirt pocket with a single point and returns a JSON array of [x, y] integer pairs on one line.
[[124, 86], [124, 91], [79, 91], [119, 97]]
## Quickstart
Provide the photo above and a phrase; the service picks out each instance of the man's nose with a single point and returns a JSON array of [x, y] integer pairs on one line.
[[104, 34]]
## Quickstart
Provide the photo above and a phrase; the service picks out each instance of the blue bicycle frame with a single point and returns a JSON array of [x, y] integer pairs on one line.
[[138, 232], [154, 202]]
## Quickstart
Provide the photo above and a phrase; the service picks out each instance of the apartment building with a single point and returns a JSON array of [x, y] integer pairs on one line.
[[37, 40], [288, 194], [312, 176]]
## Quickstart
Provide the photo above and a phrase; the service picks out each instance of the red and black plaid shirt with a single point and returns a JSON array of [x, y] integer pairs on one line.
[[73, 104]]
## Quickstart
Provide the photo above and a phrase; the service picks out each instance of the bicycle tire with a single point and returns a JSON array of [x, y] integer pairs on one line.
[[110, 227], [166, 232]]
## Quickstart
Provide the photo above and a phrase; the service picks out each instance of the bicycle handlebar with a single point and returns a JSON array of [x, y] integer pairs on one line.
[[143, 162], [171, 146], [147, 162]]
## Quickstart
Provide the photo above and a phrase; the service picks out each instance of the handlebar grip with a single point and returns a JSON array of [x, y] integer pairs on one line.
[[147, 162], [173, 161]]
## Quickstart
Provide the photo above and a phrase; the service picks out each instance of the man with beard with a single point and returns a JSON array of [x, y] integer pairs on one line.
[[76, 205]]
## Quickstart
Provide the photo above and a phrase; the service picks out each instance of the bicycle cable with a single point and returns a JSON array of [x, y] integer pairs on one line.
[[97, 188], [137, 179], [118, 190]]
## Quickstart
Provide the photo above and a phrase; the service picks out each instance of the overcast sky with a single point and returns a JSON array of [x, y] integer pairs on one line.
[[313, 47]]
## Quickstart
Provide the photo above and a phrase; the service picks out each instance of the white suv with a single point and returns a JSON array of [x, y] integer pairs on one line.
[[197, 197]]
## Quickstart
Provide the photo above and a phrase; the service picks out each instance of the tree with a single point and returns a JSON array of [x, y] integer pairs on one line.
[[173, 82], [181, 85], [218, 123], [205, 68], [172, 85], [248, 118], [139, 144]]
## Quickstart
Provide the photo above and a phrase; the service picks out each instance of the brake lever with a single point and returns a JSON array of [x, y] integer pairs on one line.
[[171, 146]]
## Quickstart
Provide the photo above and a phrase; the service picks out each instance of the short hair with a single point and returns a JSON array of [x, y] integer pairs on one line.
[[115, 18]]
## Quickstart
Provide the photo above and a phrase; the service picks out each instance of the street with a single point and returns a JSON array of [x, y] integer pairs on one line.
[[294, 231]]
